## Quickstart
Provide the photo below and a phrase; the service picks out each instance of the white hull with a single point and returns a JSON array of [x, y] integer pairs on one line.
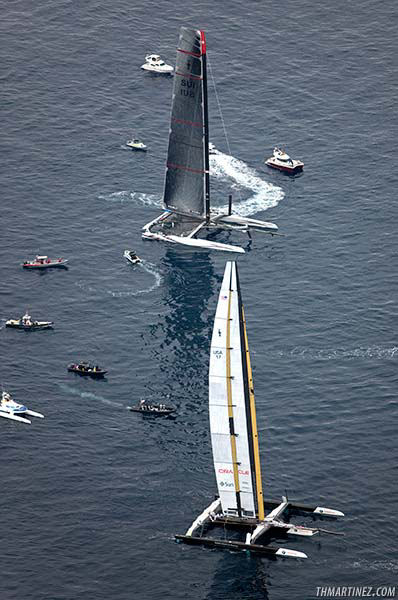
[[14, 417], [246, 222], [194, 243], [328, 512], [167, 70], [218, 221], [32, 413], [9, 409]]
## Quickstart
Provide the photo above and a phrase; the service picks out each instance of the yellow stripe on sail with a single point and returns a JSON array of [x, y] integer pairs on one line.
[[229, 396], [256, 451]]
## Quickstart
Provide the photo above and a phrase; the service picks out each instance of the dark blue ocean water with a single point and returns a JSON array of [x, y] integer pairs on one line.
[[92, 495]]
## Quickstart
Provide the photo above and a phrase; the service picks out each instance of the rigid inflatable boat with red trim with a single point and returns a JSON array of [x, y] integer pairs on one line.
[[43, 262]]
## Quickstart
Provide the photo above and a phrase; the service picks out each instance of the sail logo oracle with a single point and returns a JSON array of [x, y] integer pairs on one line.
[[189, 85], [230, 471]]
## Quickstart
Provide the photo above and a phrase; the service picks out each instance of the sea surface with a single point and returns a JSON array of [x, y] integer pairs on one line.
[[92, 495]]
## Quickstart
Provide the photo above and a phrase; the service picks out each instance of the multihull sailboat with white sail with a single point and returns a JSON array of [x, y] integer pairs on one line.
[[187, 183], [234, 437]]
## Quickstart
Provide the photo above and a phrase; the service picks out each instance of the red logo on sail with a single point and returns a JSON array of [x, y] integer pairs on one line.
[[230, 471]]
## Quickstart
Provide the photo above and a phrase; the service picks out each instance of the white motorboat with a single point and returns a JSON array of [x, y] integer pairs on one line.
[[189, 215], [156, 65], [132, 257], [28, 324], [9, 409], [136, 144], [282, 161]]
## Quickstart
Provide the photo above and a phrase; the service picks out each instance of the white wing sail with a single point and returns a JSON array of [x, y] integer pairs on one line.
[[231, 405]]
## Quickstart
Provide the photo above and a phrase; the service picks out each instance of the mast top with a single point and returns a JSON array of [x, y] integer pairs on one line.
[[202, 42]]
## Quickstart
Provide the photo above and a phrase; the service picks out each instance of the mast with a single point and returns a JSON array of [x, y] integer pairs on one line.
[[231, 422], [205, 124], [251, 419]]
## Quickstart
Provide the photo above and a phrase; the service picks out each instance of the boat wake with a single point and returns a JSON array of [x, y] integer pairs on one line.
[[148, 267], [151, 200], [264, 195], [377, 352], [88, 395]]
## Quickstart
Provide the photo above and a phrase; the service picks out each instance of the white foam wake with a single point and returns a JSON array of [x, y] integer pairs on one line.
[[377, 352], [264, 196], [87, 395], [150, 268], [151, 200]]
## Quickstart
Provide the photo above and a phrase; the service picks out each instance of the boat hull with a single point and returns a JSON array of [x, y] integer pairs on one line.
[[35, 327], [292, 170], [93, 374], [133, 261], [154, 411], [159, 71], [137, 148], [269, 551], [51, 265]]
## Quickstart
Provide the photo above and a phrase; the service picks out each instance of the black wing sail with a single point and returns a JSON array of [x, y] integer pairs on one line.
[[184, 191]]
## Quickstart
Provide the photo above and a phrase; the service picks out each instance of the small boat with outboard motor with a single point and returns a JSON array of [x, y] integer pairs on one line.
[[27, 324], [155, 64], [43, 262], [281, 160], [9, 409], [86, 369], [132, 257], [136, 144], [150, 408]]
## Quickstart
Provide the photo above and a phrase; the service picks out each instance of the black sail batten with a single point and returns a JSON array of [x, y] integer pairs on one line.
[[184, 190], [244, 350]]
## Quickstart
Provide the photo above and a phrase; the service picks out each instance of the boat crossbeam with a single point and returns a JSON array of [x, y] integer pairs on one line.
[[204, 517]]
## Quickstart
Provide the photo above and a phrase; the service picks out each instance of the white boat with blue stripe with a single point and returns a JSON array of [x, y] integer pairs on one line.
[[9, 409]]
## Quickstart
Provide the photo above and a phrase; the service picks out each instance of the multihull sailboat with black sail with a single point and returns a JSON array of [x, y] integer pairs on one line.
[[240, 503], [187, 183]]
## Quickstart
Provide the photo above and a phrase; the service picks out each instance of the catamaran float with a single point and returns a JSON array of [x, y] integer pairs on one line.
[[187, 184], [9, 409], [235, 445]]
